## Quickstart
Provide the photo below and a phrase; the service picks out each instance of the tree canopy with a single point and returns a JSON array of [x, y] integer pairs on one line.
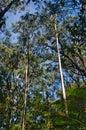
[[46, 60]]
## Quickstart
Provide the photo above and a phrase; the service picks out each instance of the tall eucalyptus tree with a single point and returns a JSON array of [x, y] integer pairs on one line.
[[27, 29]]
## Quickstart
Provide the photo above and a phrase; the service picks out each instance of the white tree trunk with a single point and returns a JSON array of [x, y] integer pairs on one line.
[[60, 66], [61, 74]]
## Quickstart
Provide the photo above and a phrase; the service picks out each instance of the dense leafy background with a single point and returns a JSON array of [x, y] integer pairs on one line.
[[35, 45]]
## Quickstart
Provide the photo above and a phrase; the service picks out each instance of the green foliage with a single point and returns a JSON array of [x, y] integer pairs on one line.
[[15, 127], [45, 109]]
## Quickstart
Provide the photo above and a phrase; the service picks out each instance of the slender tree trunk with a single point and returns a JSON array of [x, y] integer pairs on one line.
[[26, 83], [25, 100], [61, 74], [8, 115]]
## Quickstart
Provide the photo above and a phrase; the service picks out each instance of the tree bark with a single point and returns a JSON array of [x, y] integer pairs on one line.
[[25, 100], [61, 74]]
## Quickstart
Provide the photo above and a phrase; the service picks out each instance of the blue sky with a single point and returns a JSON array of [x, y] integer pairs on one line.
[[12, 18]]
